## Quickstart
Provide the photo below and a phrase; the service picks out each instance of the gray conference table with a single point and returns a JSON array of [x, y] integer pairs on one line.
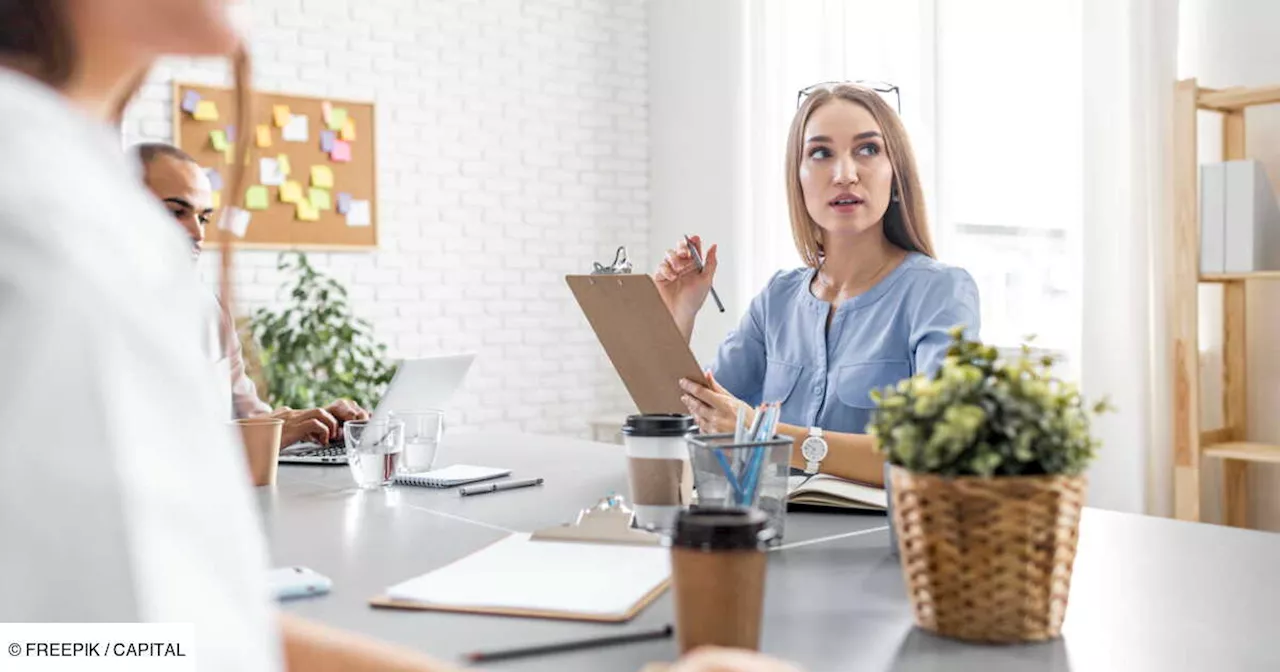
[[1148, 593]]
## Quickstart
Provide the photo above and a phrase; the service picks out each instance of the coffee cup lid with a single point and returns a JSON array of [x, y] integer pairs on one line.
[[721, 529], [658, 424]]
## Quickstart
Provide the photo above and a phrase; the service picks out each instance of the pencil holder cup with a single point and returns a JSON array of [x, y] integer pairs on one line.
[[748, 475]]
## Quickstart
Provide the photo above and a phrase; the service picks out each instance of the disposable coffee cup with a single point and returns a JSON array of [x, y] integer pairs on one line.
[[717, 576], [261, 437], [658, 467]]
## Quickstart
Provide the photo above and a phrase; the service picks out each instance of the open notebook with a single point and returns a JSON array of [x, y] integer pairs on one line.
[[825, 490], [519, 576]]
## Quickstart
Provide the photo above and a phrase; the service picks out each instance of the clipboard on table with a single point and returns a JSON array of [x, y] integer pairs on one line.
[[639, 336], [600, 570]]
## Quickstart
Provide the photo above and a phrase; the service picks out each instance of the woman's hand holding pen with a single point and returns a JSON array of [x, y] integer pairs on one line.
[[712, 406], [682, 288]]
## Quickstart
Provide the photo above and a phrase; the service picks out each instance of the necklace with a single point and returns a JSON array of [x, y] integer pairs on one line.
[[875, 277]]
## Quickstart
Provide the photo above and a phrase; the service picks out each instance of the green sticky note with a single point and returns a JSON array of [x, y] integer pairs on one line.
[[219, 140], [320, 199], [337, 118], [256, 198]]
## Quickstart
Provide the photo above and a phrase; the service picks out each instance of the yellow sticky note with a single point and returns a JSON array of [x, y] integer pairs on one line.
[[215, 200], [290, 192], [206, 110], [283, 161], [256, 198], [218, 139], [322, 176], [264, 135], [307, 212], [337, 118], [320, 199], [281, 115], [349, 130]]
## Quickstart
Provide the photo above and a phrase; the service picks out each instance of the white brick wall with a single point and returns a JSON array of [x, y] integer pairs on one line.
[[512, 149]]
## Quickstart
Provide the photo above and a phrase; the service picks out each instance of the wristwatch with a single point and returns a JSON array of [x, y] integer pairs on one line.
[[813, 449]]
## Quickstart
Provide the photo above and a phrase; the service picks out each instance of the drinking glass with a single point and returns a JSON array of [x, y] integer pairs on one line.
[[374, 448], [422, 433]]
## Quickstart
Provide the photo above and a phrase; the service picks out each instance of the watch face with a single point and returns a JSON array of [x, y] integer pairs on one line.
[[813, 449]]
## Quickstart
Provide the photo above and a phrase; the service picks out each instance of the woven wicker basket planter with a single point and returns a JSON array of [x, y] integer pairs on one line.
[[988, 560]]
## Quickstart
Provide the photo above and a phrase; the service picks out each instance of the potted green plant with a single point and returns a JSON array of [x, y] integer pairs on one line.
[[312, 349], [986, 487]]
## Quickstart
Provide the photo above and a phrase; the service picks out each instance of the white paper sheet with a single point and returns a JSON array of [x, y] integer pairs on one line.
[[359, 214], [296, 129], [516, 573]]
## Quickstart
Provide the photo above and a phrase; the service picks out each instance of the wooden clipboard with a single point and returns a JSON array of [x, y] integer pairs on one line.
[[639, 336], [603, 524]]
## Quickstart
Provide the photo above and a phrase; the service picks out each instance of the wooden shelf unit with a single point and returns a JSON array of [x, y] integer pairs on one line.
[[1227, 443]]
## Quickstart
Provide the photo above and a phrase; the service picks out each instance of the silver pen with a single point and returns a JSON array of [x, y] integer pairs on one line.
[[697, 261], [495, 487]]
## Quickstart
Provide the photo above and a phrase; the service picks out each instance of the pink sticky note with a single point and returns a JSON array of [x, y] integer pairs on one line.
[[341, 151]]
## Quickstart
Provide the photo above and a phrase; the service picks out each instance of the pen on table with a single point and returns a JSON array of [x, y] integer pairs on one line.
[[697, 261], [610, 640], [496, 487]]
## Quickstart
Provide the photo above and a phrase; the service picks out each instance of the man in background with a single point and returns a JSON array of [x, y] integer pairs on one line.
[[175, 178]]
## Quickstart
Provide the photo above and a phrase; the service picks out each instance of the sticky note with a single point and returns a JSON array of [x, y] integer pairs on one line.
[[307, 212], [264, 135], [215, 200], [215, 179], [344, 202], [269, 172], [206, 110], [341, 151], [231, 133], [296, 129], [290, 192], [281, 115], [320, 199], [349, 130], [218, 138], [285, 168], [359, 214], [256, 197], [190, 100], [322, 176], [235, 220], [337, 119], [326, 111], [326, 140]]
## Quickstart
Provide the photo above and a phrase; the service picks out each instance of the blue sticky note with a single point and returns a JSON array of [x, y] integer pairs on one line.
[[326, 140], [344, 203], [190, 100], [231, 133], [215, 179]]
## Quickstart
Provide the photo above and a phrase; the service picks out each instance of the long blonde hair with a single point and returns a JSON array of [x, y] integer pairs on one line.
[[905, 223], [241, 69]]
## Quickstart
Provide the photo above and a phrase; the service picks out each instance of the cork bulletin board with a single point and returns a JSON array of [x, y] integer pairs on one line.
[[311, 180]]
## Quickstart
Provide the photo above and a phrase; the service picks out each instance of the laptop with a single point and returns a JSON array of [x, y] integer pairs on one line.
[[418, 384]]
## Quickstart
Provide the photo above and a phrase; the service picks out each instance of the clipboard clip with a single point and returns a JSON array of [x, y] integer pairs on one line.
[[608, 522], [620, 266]]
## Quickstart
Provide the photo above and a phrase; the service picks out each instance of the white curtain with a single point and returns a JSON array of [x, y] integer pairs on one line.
[[1129, 70]]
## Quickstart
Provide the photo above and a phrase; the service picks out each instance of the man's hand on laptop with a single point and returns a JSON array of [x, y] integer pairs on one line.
[[318, 425]]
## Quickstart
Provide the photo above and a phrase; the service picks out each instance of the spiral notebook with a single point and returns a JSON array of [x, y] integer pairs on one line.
[[454, 475]]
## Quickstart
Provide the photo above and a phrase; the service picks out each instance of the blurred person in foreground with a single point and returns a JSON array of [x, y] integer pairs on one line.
[[124, 497]]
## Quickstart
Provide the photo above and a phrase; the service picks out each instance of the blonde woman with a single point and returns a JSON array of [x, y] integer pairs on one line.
[[870, 307]]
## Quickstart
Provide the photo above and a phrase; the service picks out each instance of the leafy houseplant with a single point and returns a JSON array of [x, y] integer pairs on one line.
[[313, 350], [986, 489]]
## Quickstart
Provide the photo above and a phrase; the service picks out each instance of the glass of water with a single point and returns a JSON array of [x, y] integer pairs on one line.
[[422, 433], [374, 448]]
